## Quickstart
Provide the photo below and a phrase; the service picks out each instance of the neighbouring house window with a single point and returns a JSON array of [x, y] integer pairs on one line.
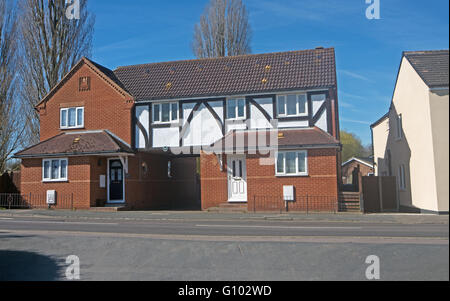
[[292, 105], [401, 177], [293, 163], [399, 126], [236, 108], [72, 118], [54, 170], [165, 112]]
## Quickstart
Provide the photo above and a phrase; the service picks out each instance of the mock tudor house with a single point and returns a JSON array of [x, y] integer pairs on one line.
[[155, 136], [411, 141]]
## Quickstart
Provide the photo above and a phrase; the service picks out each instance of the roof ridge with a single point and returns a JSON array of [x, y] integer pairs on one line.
[[223, 58]]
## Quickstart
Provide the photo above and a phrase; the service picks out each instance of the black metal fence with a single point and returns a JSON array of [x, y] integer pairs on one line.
[[34, 201], [303, 203]]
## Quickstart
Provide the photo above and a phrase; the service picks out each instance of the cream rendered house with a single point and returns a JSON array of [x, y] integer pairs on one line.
[[411, 141]]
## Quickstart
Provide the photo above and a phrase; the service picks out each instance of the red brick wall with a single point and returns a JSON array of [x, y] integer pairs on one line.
[[348, 169], [104, 107], [78, 185], [321, 185], [214, 184]]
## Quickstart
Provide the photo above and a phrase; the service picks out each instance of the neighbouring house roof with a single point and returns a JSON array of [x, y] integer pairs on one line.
[[77, 144], [384, 117], [432, 66], [365, 161], [285, 138], [238, 75]]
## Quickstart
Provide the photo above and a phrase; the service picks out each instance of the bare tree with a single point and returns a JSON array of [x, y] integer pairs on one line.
[[11, 128], [51, 46], [224, 30]]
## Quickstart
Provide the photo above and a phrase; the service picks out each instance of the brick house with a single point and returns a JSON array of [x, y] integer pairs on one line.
[[365, 166], [157, 136]]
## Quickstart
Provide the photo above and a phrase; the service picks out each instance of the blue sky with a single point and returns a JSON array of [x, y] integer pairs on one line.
[[368, 51]]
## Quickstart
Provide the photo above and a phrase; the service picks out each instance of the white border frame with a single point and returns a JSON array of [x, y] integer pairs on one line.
[[108, 201], [297, 174], [160, 112], [297, 95], [50, 180], [237, 108], [67, 127]]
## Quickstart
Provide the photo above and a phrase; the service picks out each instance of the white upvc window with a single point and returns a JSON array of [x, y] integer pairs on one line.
[[165, 112], [54, 170], [401, 177], [236, 109], [72, 118], [292, 105], [291, 163], [399, 126]]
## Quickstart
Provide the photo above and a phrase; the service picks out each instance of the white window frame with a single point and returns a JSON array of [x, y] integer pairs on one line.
[[160, 113], [237, 99], [59, 179], [298, 114], [66, 112], [399, 126], [297, 173], [401, 177]]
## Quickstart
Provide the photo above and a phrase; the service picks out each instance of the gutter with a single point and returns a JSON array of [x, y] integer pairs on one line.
[[108, 153]]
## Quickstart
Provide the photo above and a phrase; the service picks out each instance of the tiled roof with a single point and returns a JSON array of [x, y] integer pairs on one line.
[[259, 73], [286, 138], [432, 66], [82, 143]]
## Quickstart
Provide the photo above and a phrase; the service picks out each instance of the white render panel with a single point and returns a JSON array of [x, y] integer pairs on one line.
[[322, 122], [317, 101], [235, 125], [258, 120], [203, 129], [217, 106], [187, 109], [169, 137], [142, 115], [293, 124]]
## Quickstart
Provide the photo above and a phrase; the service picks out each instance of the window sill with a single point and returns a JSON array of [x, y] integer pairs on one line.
[[292, 175], [291, 116], [72, 128], [166, 123], [55, 181]]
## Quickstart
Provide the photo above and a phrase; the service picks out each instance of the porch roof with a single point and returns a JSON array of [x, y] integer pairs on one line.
[[285, 139], [78, 144]]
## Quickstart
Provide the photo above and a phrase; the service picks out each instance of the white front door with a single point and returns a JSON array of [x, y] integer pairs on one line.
[[237, 179]]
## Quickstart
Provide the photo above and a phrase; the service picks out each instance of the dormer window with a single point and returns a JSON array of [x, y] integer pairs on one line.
[[72, 118]]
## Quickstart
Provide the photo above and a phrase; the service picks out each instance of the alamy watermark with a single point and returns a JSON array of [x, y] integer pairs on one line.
[[73, 270], [373, 10], [373, 270], [73, 9]]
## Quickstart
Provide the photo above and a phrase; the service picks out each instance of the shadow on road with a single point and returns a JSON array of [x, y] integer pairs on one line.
[[28, 266]]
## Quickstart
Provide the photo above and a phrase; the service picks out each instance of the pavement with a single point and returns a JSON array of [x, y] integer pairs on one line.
[[190, 246]]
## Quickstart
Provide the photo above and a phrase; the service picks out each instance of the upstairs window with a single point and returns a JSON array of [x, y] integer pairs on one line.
[[292, 105], [292, 163], [401, 177], [399, 127], [236, 109], [54, 170], [72, 118], [165, 112]]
